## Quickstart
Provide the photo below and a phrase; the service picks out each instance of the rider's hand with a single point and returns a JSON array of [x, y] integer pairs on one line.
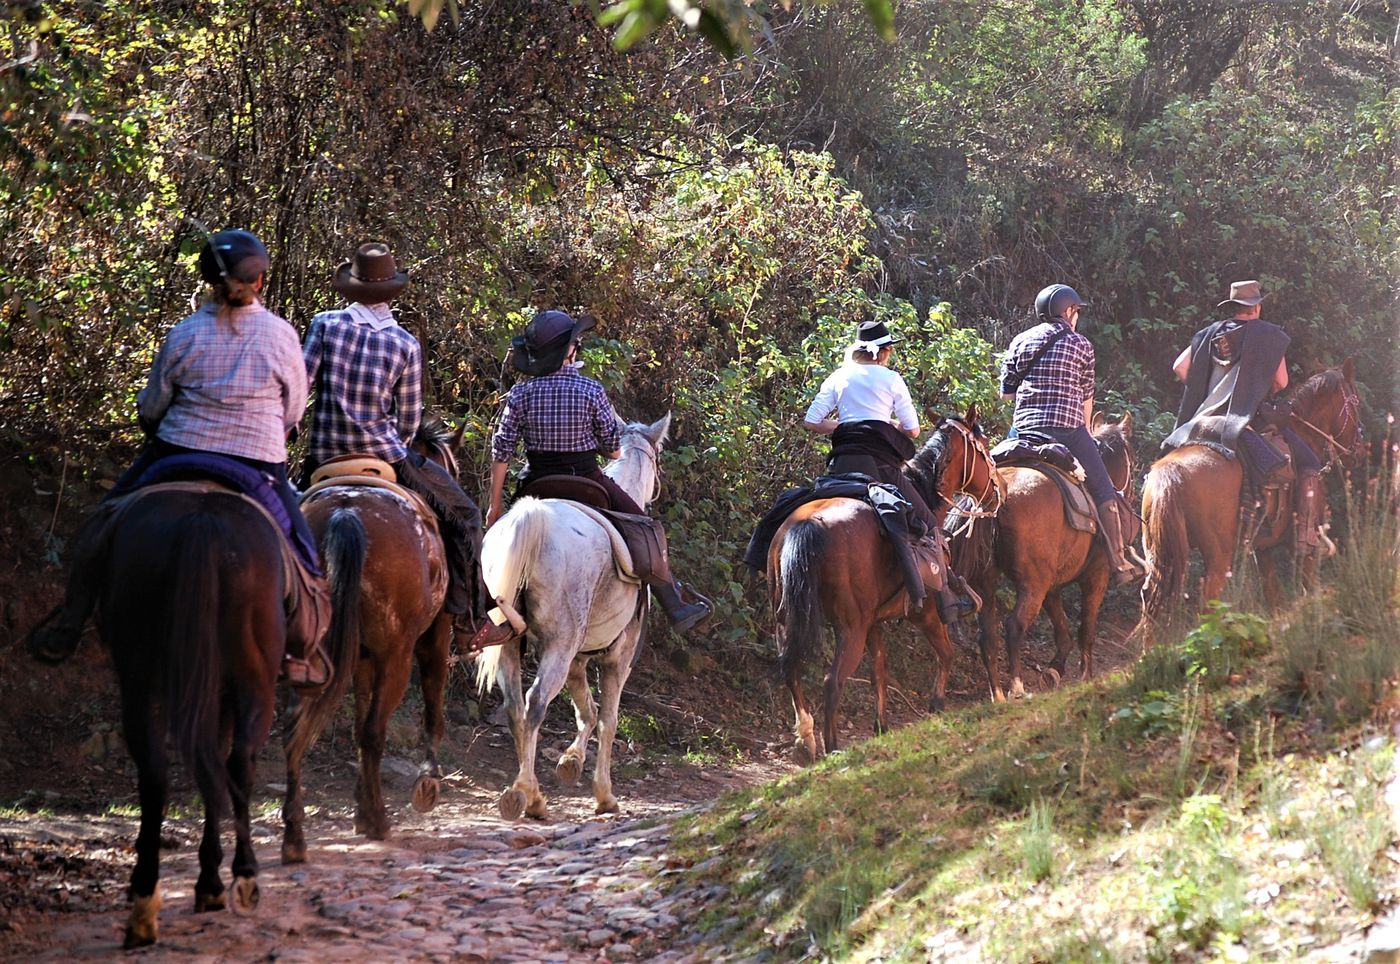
[[493, 513]]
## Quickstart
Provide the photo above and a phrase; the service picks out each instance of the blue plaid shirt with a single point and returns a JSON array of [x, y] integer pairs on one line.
[[367, 375], [559, 412], [235, 387], [1052, 394]]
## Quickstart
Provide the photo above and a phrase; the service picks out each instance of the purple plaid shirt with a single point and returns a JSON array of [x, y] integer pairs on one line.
[[1052, 394], [367, 373], [234, 389], [559, 412]]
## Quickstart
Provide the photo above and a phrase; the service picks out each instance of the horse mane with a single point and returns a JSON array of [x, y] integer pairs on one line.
[[1324, 382], [926, 467], [437, 437], [1111, 441]]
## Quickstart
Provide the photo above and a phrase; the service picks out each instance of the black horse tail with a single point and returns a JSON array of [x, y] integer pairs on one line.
[[799, 599], [1165, 539], [343, 551], [972, 549], [194, 660]]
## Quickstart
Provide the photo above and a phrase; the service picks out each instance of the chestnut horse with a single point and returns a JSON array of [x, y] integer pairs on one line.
[[831, 562], [1191, 498], [388, 577], [1031, 544], [192, 613]]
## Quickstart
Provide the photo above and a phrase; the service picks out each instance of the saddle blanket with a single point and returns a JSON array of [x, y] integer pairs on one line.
[[896, 515]]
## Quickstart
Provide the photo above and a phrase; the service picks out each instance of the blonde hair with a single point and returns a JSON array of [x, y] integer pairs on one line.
[[230, 293]]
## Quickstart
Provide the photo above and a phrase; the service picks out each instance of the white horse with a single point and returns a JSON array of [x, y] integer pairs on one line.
[[554, 562]]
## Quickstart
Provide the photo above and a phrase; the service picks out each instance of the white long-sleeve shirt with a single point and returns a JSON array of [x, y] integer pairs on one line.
[[859, 392]]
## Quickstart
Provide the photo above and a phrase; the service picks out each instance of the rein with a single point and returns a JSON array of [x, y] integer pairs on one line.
[[653, 455], [1351, 411]]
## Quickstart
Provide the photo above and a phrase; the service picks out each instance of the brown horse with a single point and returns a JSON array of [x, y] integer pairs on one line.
[[1031, 544], [388, 578], [1191, 498], [191, 611], [830, 562]]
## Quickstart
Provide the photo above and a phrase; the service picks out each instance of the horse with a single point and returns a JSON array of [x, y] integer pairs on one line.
[[1031, 544], [191, 611], [552, 561], [1191, 498], [830, 563], [387, 575]]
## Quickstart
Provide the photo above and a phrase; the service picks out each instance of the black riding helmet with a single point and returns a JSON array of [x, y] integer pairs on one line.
[[233, 253], [1054, 301]]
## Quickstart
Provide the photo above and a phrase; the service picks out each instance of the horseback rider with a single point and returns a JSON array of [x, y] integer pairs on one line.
[[863, 393], [1230, 369], [228, 381], [566, 422], [1049, 371], [367, 375]]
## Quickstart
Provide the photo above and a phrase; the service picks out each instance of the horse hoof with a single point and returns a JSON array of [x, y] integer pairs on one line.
[[293, 853], [204, 903], [1018, 689], [425, 793], [1052, 677], [570, 770], [936, 704], [606, 806], [141, 925], [803, 755], [512, 804], [537, 810], [245, 896]]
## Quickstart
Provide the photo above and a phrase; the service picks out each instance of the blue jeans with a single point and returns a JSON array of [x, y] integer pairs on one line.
[[1082, 446]]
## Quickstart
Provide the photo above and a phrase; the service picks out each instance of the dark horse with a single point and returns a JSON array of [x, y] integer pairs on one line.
[[1030, 543], [830, 562], [388, 577], [192, 612], [1191, 498]]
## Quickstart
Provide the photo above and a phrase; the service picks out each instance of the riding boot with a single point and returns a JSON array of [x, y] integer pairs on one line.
[[1309, 501], [684, 616], [651, 560], [57, 636], [1121, 571]]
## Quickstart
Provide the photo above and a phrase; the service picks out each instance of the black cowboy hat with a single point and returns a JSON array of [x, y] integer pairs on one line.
[[371, 277], [541, 350]]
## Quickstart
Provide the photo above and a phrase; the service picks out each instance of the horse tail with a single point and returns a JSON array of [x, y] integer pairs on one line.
[[1164, 538], [508, 556], [193, 656], [971, 550], [343, 549], [799, 599]]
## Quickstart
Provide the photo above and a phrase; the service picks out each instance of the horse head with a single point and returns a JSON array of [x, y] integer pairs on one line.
[[637, 467], [437, 442], [1114, 441], [956, 460], [1327, 412]]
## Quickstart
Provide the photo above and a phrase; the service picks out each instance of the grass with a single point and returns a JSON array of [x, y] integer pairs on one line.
[[1221, 799]]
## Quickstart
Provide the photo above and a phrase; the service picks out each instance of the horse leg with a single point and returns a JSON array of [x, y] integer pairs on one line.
[[512, 800], [549, 680], [569, 769], [612, 677], [212, 777], [1091, 592], [145, 739], [293, 804], [1055, 609], [937, 635], [388, 686], [1268, 579], [1018, 621], [875, 642], [249, 735], [989, 635], [431, 651], [850, 647], [805, 748]]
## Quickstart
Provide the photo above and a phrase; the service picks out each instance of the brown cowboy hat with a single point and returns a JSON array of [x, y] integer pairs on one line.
[[371, 276], [1243, 293], [541, 350]]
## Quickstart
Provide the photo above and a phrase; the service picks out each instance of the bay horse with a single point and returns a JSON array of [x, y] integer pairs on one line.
[[830, 562], [554, 563], [387, 575], [1191, 498], [1030, 544], [191, 611]]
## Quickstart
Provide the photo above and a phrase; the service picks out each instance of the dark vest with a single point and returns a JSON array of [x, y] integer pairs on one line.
[[1259, 347]]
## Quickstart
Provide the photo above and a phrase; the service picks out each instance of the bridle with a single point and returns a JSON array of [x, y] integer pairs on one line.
[[653, 454], [974, 448], [1351, 412]]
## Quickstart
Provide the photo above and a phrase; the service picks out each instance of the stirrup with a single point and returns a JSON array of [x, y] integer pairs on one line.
[[684, 590], [490, 634], [303, 673]]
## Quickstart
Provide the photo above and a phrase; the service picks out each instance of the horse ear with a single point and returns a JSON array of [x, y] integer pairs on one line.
[[971, 416], [1096, 421], [1125, 424], [658, 430], [1349, 369]]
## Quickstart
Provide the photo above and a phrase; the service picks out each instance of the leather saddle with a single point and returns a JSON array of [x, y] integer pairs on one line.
[[1051, 459], [637, 549], [575, 488], [368, 471]]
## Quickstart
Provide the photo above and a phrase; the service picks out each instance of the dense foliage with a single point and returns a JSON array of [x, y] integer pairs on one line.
[[728, 220]]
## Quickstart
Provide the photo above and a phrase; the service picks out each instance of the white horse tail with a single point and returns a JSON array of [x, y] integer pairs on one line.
[[508, 556]]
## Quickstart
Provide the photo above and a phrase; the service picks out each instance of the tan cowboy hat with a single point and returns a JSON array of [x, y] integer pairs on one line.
[[371, 276], [1243, 293]]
